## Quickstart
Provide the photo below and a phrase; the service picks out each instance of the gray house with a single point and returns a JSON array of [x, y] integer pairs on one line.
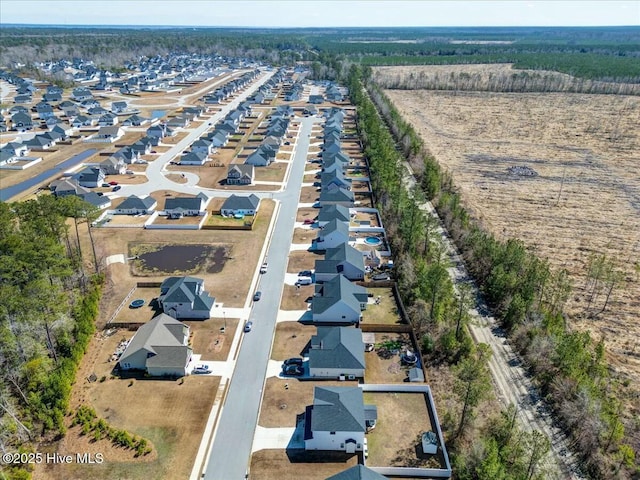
[[179, 207], [333, 212], [337, 420], [337, 196], [357, 472], [338, 301], [332, 235], [90, 177], [240, 205], [240, 174], [342, 259], [337, 352], [185, 297], [134, 205], [160, 347]]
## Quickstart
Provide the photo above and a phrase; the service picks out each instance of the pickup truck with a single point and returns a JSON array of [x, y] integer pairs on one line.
[[263, 268]]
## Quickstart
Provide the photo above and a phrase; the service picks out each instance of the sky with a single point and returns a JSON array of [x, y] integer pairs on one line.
[[323, 13]]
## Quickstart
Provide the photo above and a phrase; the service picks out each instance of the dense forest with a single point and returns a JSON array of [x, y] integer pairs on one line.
[[603, 53], [48, 304]]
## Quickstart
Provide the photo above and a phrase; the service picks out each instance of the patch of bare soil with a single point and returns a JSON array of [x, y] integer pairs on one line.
[[582, 198]]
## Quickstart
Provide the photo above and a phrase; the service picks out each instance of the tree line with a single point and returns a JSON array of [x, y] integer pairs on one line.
[[525, 294], [48, 304]]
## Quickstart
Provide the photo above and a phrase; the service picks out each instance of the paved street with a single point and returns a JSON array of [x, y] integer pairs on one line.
[[230, 453]]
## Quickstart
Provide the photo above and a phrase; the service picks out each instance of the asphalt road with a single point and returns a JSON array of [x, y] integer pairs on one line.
[[230, 453]]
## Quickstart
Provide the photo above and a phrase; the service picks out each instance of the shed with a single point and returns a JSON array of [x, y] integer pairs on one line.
[[429, 443], [416, 375]]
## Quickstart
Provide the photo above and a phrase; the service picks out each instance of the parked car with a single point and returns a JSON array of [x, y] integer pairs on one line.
[[308, 221], [263, 268], [113, 183], [305, 273], [248, 326], [200, 369], [257, 295], [106, 185], [294, 370], [304, 281], [116, 188], [293, 361]]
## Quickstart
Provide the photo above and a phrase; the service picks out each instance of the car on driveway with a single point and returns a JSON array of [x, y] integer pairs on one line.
[[116, 188], [305, 273], [293, 361], [294, 370], [113, 183], [381, 276], [201, 369], [257, 295], [308, 221], [248, 326], [107, 185]]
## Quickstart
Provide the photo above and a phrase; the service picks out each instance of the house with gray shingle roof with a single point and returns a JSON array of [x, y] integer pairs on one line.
[[337, 196], [240, 174], [179, 207], [343, 259], [337, 420], [338, 301], [333, 212], [134, 205], [331, 235], [160, 347], [185, 297], [357, 472], [240, 205], [337, 351]]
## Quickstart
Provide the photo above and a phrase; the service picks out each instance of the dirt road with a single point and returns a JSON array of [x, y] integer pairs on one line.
[[511, 383]]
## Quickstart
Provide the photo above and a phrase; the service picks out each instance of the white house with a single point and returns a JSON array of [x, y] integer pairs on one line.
[[185, 297], [332, 235], [240, 205], [338, 301], [160, 347], [134, 205], [343, 259], [337, 420], [179, 207]]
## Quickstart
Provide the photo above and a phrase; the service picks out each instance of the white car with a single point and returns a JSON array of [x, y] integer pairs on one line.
[[201, 369]]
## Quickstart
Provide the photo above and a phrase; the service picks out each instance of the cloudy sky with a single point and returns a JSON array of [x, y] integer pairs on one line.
[[313, 13]]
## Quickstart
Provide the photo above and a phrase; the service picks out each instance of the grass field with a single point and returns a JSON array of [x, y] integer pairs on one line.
[[584, 199]]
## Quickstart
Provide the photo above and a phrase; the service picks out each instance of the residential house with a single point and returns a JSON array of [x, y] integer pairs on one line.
[[337, 196], [40, 142], [194, 158], [202, 145], [333, 212], [178, 122], [21, 122], [63, 129], [108, 134], [108, 120], [67, 186], [343, 259], [160, 131], [134, 205], [338, 301], [44, 110], [127, 154], [240, 205], [357, 472], [160, 347], [258, 159], [22, 98], [90, 177], [218, 138], [143, 146], [135, 121], [316, 99], [337, 420], [81, 94], [83, 121], [335, 179], [179, 207], [238, 174], [185, 297], [119, 107], [332, 235], [113, 166], [99, 201], [337, 352]]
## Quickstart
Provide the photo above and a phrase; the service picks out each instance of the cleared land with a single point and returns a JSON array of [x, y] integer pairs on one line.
[[584, 199]]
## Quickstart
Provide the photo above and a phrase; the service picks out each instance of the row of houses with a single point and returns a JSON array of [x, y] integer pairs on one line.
[[225, 91]]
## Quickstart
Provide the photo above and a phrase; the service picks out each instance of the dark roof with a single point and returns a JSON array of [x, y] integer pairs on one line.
[[241, 202], [135, 202], [186, 203], [337, 409], [338, 289], [331, 212], [337, 347], [357, 472]]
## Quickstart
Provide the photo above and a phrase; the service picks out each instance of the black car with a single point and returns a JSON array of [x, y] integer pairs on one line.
[[305, 273], [293, 361], [294, 370], [256, 296]]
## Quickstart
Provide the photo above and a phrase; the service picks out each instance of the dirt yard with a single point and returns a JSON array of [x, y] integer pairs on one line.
[[291, 339], [384, 366], [583, 197], [298, 464]]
